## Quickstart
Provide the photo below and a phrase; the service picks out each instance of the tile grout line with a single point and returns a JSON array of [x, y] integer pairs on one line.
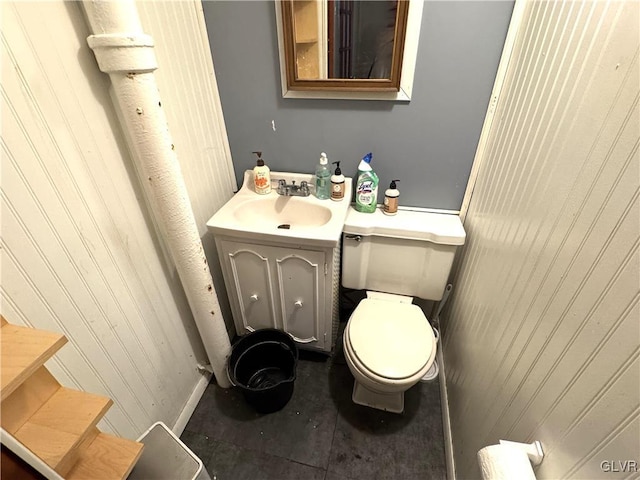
[[333, 435], [260, 451], [208, 438], [324, 406]]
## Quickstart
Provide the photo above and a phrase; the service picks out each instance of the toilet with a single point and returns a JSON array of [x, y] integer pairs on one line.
[[389, 344]]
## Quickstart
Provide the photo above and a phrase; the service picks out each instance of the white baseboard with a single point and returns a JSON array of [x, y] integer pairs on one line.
[[191, 405], [446, 420]]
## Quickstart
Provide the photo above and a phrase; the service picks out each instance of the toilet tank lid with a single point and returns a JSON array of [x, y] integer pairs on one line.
[[441, 228]]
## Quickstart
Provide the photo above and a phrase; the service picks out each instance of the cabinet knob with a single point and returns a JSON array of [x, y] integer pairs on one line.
[[254, 298], [298, 303]]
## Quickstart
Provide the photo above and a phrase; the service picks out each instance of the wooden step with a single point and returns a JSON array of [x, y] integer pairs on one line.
[[23, 351], [56, 423], [56, 430], [27, 399], [105, 457]]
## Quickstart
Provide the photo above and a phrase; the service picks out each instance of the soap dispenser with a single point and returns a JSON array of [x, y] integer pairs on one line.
[[261, 176], [323, 178], [337, 184], [391, 199]]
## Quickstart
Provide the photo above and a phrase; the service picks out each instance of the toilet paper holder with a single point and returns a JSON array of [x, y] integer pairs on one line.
[[533, 450]]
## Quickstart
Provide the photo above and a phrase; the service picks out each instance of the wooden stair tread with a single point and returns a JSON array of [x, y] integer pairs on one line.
[[56, 423], [56, 429], [23, 351], [106, 457], [27, 399]]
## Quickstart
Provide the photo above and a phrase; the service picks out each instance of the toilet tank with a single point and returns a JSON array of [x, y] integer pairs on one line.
[[410, 253]]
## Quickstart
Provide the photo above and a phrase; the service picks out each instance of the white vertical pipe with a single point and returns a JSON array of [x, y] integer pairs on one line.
[[126, 54]]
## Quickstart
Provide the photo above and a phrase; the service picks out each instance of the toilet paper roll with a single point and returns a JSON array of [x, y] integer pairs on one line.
[[505, 462]]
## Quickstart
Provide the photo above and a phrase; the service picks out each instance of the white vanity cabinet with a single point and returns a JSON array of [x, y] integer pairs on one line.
[[278, 286], [280, 259]]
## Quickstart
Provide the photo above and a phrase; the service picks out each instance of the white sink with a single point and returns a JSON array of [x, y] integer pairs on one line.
[[298, 220], [282, 212]]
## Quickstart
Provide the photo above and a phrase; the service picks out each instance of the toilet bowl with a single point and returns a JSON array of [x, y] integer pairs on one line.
[[388, 346]]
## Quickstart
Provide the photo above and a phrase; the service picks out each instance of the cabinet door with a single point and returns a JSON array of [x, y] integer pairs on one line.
[[252, 288], [301, 281]]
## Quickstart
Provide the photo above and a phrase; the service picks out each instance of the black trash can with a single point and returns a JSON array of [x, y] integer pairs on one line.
[[263, 365]]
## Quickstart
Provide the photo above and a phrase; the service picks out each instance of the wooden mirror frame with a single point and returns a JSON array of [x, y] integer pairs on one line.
[[407, 32]]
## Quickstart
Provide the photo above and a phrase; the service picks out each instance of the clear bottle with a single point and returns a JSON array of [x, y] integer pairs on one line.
[[323, 178]]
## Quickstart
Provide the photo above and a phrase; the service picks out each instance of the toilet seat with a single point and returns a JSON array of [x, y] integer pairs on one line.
[[392, 340]]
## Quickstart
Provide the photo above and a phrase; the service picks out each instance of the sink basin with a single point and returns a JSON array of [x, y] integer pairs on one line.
[[282, 212], [300, 220]]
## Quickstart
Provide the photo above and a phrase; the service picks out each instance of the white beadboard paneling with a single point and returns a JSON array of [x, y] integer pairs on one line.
[[542, 338], [79, 251], [186, 80]]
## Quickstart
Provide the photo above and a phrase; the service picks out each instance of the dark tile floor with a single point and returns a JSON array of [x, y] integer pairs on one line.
[[320, 434]]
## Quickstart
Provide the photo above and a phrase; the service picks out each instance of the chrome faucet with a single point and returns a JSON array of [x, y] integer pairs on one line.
[[293, 190]]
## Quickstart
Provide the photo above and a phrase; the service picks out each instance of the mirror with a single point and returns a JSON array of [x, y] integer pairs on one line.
[[355, 49]]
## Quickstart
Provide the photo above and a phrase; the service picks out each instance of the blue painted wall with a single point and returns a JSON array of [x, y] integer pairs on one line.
[[428, 143]]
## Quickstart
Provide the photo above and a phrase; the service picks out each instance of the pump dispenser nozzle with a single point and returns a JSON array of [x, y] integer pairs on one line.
[[260, 161], [337, 164]]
